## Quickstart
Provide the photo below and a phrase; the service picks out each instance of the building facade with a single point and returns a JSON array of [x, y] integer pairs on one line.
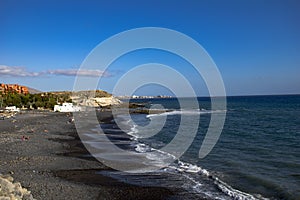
[[6, 88]]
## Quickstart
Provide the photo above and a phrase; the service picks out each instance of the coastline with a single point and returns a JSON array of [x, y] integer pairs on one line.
[[51, 162], [43, 152]]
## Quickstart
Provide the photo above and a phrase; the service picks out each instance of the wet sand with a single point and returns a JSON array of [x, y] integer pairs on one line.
[[42, 152]]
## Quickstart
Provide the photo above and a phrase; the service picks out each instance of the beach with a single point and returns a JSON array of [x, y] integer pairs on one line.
[[41, 151]]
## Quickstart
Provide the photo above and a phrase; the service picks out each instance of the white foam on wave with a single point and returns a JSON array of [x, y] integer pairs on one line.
[[234, 193], [142, 148], [187, 167], [156, 157], [133, 131], [159, 158], [186, 112], [187, 170], [190, 169]]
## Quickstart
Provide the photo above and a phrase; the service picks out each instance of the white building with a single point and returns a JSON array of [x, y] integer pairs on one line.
[[12, 109], [66, 107]]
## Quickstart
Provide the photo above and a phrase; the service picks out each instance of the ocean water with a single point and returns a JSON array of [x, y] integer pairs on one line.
[[256, 157]]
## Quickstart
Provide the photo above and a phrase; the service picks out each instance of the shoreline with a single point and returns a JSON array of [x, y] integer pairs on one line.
[[42, 151]]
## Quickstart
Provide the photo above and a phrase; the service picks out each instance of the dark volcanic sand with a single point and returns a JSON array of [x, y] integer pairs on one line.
[[49, 162]]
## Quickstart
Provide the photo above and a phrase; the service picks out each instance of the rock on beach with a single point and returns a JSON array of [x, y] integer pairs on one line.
[[13, 191]]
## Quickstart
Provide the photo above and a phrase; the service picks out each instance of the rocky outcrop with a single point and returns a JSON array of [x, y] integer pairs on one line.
[[104, 101], [98, 101], [13, 191]]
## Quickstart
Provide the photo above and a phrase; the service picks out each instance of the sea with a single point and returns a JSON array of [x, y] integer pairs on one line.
[[257, 155]]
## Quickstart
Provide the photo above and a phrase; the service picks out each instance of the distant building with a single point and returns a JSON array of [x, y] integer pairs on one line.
[[12, 109], [6, 88], [66, 107]]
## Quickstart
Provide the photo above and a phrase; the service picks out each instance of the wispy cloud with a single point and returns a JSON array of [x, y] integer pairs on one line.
[[14, 71], [82, 72]]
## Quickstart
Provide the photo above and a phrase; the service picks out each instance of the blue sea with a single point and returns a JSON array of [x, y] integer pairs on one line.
[[256, 157]]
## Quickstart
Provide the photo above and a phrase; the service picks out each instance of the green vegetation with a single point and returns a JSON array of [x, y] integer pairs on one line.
[[42, 100], [45, 100]]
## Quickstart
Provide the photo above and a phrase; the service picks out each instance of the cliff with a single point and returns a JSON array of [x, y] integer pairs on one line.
[[97, 101]]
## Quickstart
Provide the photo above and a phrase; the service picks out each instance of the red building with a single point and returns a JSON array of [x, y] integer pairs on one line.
[[6, 88]]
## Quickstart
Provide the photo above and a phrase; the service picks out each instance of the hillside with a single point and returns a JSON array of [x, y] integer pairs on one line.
[[86, 93], [33, 91]]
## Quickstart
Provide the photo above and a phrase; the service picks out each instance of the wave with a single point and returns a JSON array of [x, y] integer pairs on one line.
[[201, 181], [133, 131], [234, 193], [185, 112], [142, 148], [187, 169]]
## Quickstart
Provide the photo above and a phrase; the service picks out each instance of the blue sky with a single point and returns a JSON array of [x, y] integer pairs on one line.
[[255, 44]]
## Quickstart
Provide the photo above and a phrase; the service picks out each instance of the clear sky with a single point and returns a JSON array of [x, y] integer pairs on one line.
[[254, 43]]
